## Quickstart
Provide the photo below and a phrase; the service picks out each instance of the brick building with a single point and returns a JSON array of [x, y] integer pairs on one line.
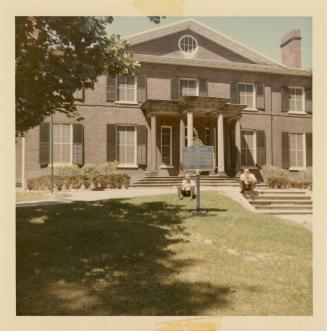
[[192, 82]]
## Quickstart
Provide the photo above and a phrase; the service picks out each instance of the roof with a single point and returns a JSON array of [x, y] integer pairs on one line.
[[204, 31], [262, 62]]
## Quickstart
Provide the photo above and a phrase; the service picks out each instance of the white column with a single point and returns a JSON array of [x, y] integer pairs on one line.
[[238, 146], [220, 145], [153, 143], [189, 129], [23, 164], [181, 136]]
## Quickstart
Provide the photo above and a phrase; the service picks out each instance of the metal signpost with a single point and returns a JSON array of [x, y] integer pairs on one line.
[[198, 157]]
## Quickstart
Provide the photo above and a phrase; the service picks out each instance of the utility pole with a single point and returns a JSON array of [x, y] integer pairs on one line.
[[51, 152]]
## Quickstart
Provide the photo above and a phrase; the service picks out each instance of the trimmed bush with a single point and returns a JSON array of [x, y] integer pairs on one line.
[[89, 169], [107, 168], [68, 170], [59, 182], [77, 181]]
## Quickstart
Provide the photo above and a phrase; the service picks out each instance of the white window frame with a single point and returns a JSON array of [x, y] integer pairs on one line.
[[127, 165], [297, 168], [254, 96], [52, 143], [187, 54], [303, 100], [189, 79], [254, 149], [163, 165], [134, 102]]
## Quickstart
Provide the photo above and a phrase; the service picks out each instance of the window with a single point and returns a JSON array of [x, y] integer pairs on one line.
[[297, 154], [188, 45], [166, 147], [248, 150], [62, 143], [246, 94], [79, 94], [296, 99], [188, 87], [126, 87], [126, 145]]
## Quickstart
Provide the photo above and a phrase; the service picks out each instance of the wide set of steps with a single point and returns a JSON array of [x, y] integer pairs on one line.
[[281, 201], [155, 181]]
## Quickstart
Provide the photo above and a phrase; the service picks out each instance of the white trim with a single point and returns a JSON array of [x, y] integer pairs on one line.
[[166, 166], [303, 100], [248, 67], [126, 103], [206, 32], [170, 147], [127, 165], [254, 96], [196, 45]]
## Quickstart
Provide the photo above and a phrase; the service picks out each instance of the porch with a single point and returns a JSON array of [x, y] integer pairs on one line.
[[174, 124]]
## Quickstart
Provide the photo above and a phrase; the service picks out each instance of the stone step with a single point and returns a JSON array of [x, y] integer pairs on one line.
[[148, 184], [269, 191], [286, 212], [284, 207], [286, 201]]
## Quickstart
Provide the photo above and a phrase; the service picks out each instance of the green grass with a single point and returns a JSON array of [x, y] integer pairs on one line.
[[148, 256], [35, 196]]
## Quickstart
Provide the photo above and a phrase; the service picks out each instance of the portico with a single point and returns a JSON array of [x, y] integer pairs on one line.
[[174, 124]]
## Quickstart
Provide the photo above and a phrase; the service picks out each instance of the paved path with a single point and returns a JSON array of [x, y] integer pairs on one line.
[[231, 192]]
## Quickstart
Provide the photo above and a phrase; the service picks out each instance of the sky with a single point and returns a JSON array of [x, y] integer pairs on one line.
[[261, 33]]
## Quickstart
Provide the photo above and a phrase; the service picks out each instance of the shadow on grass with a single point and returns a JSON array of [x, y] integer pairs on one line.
[[107, 258]]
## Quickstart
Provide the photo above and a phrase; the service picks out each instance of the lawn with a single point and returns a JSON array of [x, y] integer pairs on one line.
[[148, 256], [35, 196]]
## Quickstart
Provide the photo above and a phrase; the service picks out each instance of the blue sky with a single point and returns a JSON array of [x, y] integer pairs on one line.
[[261, 33]]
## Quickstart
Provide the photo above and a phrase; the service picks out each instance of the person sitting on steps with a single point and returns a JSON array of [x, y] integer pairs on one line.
[[187, 187], [247, 182]]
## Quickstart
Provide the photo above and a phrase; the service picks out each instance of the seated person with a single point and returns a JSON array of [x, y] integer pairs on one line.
[[187, 187], [247, 181]]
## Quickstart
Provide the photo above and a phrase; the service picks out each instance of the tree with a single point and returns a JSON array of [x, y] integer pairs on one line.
[[56, 56]]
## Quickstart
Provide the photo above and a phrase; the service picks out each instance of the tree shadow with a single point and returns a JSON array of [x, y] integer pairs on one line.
[[107, 257]]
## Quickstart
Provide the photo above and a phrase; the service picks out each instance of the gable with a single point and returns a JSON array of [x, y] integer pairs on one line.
[[214, 45], [208, 50]]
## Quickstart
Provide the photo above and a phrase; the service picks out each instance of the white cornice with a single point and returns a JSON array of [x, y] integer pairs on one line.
[[206, 32], [222, 65]]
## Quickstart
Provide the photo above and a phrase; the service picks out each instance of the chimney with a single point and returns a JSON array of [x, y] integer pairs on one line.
[[291, 49]]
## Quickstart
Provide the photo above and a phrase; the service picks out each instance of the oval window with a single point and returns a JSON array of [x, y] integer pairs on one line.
[[188, 44]]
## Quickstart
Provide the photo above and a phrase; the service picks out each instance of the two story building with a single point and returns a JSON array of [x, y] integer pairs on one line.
[[193, 82]]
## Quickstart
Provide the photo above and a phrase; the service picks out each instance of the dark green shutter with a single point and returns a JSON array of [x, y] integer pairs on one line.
[[141, 88], [260, 96], [261, 147], [174, 88], [308, 146], [111, 143], [285, 99], [233, 92], [78, 144], [141, 144], [111, 89], [203, 88], [308, 100], [44, 147], [285, 150]]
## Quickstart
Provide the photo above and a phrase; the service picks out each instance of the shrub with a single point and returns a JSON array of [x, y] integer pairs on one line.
[[32, 184], [126, 180], [86, 181], [59, 182], [67, 182], [268, 170], [68, 170], [89, 169], [107, 168], [77, 181]]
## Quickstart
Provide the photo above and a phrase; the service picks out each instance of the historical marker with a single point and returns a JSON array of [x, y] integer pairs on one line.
[[198, 157]]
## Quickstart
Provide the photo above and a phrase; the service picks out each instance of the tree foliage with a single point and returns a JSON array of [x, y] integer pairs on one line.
[[55, 56]]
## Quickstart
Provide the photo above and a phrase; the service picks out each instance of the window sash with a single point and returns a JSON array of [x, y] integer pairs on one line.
[[62, 143], [297, 150], [126, 145], [296, 99], [126, 87], [248, 148], [166, 145], [188, 87], [246, 94]]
